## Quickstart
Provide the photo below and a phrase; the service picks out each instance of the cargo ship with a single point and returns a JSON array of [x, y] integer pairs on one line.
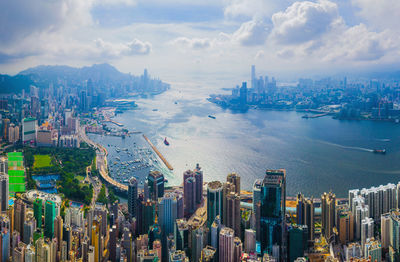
[[166, 142], [379, 151], [210, 116]]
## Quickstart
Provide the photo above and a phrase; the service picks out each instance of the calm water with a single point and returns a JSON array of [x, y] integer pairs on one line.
[[319, 154]]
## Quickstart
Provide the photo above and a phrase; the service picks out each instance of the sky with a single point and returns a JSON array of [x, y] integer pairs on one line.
[[203, 40]]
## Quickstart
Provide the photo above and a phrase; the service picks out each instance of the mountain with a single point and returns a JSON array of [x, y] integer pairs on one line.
[[105, 73], [14, 84]]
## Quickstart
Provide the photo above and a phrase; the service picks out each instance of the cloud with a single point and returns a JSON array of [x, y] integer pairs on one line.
[[357, 43], [382, 14], [111, 50], [193, 43], [251, 33], [305, 21]]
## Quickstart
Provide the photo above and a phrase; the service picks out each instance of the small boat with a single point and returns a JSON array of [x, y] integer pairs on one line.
[[166, 142], [305, 116], [210, 116], [379, 151], [155, 109]]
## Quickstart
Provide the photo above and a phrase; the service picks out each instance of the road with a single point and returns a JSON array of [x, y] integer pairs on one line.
[[101, 160]]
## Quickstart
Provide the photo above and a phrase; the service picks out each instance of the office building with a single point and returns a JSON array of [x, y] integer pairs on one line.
[[256, 192], [297, 241], [4, 193], [233, 217], [132, 196], [49, 216], [208, 254], [29, 129], [189, 191], [155, 182], [181, 234], [226, 246], [167, 213], [19, 216], [237, 249], [272, 210], [234, 179], [198, 175], [214, 201], [249, 241], [345, 226]]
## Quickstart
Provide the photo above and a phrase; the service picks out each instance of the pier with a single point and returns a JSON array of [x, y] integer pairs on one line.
[[158, 153]]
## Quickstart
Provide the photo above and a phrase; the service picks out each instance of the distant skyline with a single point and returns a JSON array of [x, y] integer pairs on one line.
[[203, 40]]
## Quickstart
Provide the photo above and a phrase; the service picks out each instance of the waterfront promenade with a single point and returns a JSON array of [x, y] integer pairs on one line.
[[101, 161]]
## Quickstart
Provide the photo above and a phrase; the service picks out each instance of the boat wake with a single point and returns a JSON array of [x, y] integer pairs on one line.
[[383, 139], [347, 147]]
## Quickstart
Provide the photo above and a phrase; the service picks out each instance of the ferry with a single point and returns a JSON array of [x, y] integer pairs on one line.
[[210, 116], [379, 151], [166, 142]]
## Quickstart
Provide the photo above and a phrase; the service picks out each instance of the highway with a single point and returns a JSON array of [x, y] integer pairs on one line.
[[101, 160]]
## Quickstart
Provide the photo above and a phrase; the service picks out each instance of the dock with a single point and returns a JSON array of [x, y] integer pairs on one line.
[[158, 153]]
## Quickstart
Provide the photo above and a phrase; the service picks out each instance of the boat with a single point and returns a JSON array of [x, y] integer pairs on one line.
[[305, 116], [166, 142], [379, 151], [155, 109], [210, 116]]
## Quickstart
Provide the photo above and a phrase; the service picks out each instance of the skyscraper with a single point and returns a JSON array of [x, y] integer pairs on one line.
[[132, 196], [367, 230], [198, 174], [19, 215], [253, 76], [243, 94], [226, 238], [305, 214], [273, 195], [156, 185], [234, 179], [214, 201], [297, 241], [4, 192], [189, 191], [233, 217], [237, 249], [49, 216], [328, 204], [256, 192], [37, 211], [167, 213]]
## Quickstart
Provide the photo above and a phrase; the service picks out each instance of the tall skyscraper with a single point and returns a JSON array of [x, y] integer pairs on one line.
[[385, 230], [367, 230], [155, 182], [214, 201], [49, 216], [253, 76], [249, 241], [37, 211], [4, 193], [345, 226], [328, 204], [148, 215], [233, 217], [208, 254], [181, 234], [234, 179], [273, 195], [132, 196], [226, 238], [243, 94], [19, 215], [237, 249], [305, 214], [198, 174], [256, 192], [167, 213], [189, 191]]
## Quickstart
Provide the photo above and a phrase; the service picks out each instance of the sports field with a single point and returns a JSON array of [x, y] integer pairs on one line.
[[42, 161], [16, 172]]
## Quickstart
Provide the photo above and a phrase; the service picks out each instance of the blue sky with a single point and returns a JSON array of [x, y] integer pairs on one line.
[[182, 39]]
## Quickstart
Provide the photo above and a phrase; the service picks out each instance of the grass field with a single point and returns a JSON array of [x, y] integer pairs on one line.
[[42, 161]]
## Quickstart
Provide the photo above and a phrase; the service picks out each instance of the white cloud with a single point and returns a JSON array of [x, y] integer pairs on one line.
[[305, 21], [359, 44], [251, 33], [193, 43], [379, 14]]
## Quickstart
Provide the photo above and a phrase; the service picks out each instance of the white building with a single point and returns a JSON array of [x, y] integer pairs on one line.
[[29, 129]]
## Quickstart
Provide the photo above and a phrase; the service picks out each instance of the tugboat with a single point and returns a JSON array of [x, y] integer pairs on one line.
[[379, 151], [166, 142]]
